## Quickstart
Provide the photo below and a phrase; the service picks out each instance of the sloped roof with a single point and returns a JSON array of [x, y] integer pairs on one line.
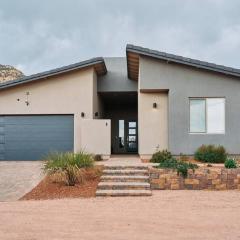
[[97, 63], [133, 53]]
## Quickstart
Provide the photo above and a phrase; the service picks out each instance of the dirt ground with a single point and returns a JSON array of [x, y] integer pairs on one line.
[[48, 188], [165, 215]]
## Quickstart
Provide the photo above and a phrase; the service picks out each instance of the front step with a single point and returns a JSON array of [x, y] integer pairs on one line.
[[141, 172], [123, 193], [127, 167], [124, 178], [119, 181], [124, 185]]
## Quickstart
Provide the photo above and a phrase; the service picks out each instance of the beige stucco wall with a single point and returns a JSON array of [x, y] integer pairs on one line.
[[96, 136], [97, 103], [152, 123], [70, 93]]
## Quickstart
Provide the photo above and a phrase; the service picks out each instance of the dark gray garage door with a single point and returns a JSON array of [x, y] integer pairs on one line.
[[32, 137]]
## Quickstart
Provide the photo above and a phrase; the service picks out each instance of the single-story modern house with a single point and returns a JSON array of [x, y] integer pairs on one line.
[[149, 100]]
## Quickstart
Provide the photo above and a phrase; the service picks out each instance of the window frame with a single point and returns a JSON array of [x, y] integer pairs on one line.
[[206, 115]]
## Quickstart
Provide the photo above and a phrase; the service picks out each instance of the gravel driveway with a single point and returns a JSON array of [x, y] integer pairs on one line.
[[18, 178], [166, 215]]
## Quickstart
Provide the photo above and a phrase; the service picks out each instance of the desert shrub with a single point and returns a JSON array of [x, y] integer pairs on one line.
[[161, 156], [169, 163], [211, 154], [230, 163], [67, 165], [181, 167], [97, 157]]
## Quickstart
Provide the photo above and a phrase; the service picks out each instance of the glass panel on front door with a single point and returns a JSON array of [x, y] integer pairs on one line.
[[132, 145]]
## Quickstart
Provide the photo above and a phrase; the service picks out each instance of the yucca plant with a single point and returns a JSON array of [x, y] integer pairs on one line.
[[68, 165]]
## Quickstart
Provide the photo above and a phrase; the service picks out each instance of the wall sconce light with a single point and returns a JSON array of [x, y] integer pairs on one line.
[[154, 105], [96, 114], [82, 114]]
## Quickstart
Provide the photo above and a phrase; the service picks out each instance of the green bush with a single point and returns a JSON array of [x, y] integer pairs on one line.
[[161, 156], [211, 154], [180, 166], [230, 163], [68, 165]]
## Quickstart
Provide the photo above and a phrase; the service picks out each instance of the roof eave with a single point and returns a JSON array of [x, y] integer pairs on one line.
[[73, 67], [181, 60]]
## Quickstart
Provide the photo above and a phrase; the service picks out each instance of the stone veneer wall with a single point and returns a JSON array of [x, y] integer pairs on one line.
[[209, 178]]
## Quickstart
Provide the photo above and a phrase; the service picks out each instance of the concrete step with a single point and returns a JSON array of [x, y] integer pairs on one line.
[[123, 193], [126, 172], [126, 167], [124, 185], [124, 178]]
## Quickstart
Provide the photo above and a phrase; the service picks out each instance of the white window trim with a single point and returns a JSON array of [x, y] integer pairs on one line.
[[206, 116]]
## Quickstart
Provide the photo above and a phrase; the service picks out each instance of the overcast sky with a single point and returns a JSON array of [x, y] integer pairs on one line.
[[37, 35]]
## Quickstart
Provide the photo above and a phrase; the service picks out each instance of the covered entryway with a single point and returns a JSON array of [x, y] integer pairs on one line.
[[121, 108], [31, 137]]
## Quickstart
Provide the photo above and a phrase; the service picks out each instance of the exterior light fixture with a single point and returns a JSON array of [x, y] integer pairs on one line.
[[82, 114], [154, 105]]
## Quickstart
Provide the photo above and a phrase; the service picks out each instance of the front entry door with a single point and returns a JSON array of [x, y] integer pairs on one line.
[[125, 139]]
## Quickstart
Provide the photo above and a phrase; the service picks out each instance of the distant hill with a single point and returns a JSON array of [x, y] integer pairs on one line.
[[9, 73]]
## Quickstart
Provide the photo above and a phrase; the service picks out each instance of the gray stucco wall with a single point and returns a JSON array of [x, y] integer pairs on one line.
[[116, 79], [185, 82]]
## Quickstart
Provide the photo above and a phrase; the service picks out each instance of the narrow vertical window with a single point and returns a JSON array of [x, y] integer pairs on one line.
[[121, 133], [216, 115], [197, 115]]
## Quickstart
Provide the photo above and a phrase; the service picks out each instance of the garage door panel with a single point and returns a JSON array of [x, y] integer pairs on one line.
[[36, 132], [37, 119], [17, 136], [23, 155], [28, 155], [33, 137], [2, 139], [39, 146]]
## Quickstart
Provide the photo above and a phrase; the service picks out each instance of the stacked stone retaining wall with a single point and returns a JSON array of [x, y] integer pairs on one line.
[[208, 178]]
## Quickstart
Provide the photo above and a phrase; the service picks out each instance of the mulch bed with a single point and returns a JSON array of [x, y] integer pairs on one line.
[[49, 189]]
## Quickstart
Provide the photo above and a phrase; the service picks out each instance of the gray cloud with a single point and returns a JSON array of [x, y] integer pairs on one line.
[[40, 35]]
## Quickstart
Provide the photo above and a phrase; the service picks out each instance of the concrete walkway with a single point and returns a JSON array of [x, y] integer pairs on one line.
[[124, 160], [18, 177]]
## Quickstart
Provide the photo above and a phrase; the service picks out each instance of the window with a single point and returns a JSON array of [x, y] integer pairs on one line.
[[207, 115], [121, 133]]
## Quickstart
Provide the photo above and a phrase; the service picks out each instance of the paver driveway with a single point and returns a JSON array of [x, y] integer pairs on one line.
[[18, 178]]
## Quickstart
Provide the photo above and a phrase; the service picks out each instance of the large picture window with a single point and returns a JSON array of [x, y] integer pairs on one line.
[[207, 115]]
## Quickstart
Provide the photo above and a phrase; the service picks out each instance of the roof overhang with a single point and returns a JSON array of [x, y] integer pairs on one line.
[[133, 53], [97, 63]]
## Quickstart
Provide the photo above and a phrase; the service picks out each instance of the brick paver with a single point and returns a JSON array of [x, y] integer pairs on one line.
[[18, 177]]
